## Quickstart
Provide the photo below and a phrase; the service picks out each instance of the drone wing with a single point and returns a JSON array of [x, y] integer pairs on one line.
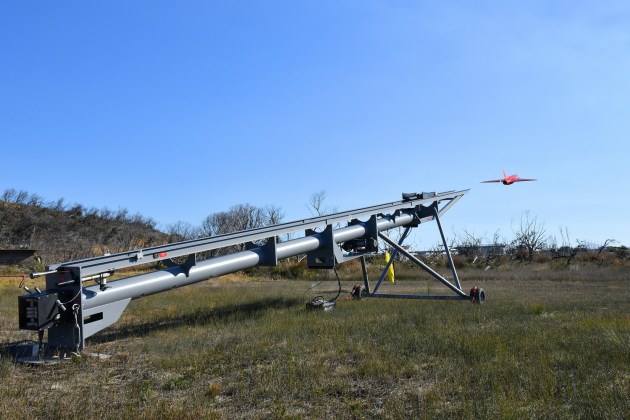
[[492, 180], [525, 179]]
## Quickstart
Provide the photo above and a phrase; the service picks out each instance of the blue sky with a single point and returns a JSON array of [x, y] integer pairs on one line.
[[177, 110]]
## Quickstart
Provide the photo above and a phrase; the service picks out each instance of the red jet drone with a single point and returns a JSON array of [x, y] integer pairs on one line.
[[509, 179]]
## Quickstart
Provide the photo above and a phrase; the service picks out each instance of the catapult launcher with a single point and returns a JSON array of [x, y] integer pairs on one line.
[[78, 300]]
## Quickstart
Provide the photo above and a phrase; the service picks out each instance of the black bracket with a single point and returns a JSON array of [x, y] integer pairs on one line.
[[324, 257], [190, 262], [268, 257]]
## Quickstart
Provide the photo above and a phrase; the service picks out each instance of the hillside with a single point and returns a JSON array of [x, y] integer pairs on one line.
[[60, 232]]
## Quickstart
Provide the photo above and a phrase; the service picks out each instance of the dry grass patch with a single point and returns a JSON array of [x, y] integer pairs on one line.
[[551, 346]]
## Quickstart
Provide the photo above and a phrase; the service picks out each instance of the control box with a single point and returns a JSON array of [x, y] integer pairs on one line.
[[38, 311]]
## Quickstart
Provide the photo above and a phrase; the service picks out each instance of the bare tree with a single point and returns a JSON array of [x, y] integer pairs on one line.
[[59, 205], [495, 251], [469, 245], [598, 256], [272, 215], [316, 202], [603, 247], [478, 250], [35, 200], [211, 225], [565, 250], [239, 217], [8, 195], [529, 238], [182, 231], [244, 217], [21, 197]]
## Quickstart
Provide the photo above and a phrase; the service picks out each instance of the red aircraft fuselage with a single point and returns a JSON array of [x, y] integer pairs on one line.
[[509, 179]]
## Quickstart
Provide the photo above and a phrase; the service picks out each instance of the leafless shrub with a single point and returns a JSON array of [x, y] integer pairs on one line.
[[529, 238], [565, 250], [478, 250], [469, 246]]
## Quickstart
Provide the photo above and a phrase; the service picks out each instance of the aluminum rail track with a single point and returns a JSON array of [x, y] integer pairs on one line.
[[96, 265]]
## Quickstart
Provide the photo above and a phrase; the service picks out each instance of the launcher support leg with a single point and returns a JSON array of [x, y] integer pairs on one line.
[[446, 249], [366, 281], [393, 256], [428, 269]]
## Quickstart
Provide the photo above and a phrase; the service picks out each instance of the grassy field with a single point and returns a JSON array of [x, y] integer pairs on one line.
[[547, 343]]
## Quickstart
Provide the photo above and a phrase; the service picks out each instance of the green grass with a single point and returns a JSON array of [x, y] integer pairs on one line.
[[554, 345]]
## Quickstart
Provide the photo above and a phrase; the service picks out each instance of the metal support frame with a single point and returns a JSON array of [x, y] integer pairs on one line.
[[391, 260], [446, 249], [460, 293], [74, 311], [456, 288], [366, 280]]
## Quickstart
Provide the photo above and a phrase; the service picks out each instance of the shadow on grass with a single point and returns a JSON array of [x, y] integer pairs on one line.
[[202, 316]]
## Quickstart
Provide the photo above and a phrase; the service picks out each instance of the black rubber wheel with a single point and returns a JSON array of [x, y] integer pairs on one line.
[[480, 296]]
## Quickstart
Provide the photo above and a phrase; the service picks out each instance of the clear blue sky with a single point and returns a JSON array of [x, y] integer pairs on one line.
[[177, 110]]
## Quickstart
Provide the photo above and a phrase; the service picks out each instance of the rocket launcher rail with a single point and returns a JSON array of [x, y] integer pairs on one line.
[[93, 308]]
